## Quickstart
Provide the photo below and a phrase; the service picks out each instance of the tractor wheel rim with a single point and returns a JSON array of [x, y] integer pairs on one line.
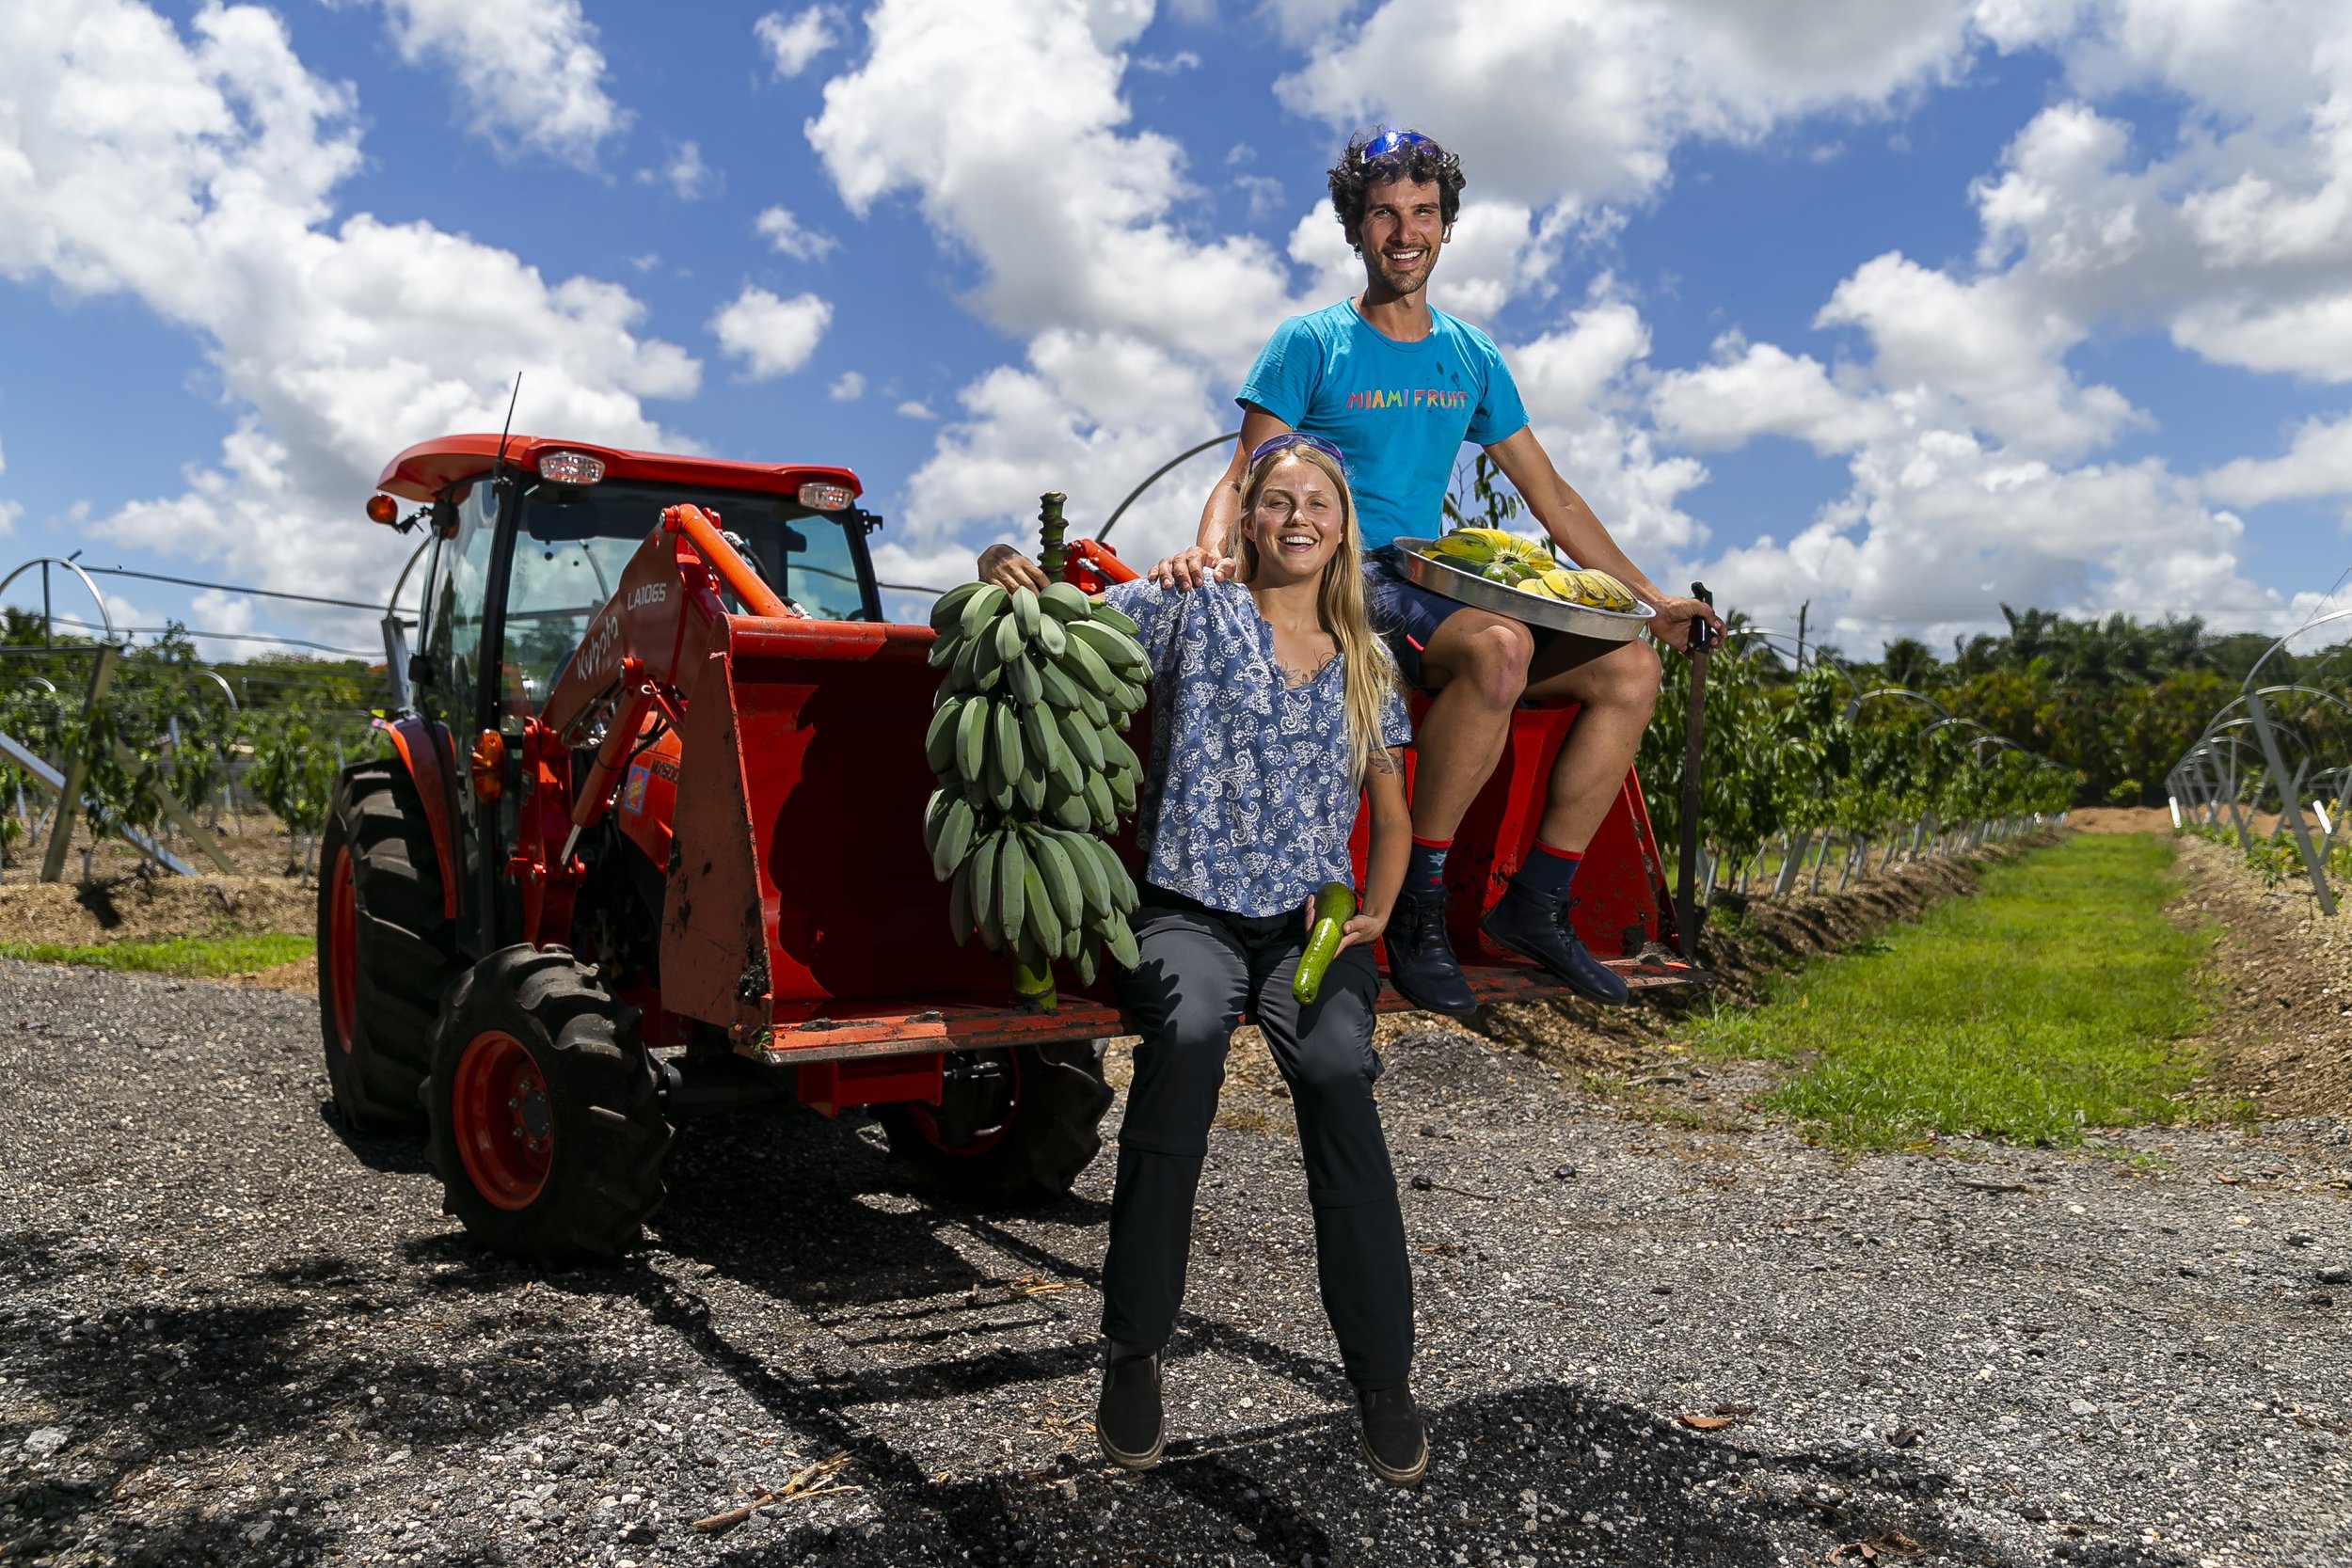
[[342, 950], [502, 1120], [927, 1124]]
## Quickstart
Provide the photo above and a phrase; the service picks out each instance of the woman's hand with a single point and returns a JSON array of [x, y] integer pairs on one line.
[[1009, 569], [1367, 924], [1193, 568]]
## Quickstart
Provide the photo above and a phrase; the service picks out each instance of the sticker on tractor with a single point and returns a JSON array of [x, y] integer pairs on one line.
[[633, 793]]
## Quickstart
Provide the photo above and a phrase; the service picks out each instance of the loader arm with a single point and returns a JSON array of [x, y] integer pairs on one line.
[[662, 643]]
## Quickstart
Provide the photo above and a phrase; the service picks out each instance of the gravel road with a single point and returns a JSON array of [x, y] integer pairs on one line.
[[229, 1334]]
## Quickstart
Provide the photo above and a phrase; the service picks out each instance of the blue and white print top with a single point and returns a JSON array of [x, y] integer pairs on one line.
[[1247, 803]]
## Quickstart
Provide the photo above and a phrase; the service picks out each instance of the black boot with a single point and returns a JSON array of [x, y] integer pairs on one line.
[[1395, 1445], [1127, 1421], [1420, 961], [1530, 924]]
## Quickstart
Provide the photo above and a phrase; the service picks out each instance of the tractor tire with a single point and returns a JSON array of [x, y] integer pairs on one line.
[[546, 1124], [1018, 1135], [386, 951]]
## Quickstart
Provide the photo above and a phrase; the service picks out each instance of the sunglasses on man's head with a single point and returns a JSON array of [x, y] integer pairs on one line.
[[1388, 143], [1299, 438]]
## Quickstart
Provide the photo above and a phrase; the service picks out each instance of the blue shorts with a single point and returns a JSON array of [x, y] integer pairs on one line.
[[1407, 615]]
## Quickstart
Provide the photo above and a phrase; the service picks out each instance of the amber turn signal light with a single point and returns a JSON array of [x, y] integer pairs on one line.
[[488, 766], [383, 509]]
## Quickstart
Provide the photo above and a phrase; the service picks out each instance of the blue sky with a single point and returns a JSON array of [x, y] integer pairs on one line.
[[1899, 307]]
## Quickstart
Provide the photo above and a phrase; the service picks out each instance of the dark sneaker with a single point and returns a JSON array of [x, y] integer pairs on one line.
[[1420, 961], [1395, 1445], [1127, 1421], [1529, 923]]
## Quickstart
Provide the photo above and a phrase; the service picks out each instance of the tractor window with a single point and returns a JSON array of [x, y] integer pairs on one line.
[[460, 584], [555, 587], [575, 540]]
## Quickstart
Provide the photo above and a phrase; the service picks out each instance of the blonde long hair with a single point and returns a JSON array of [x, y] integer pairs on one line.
[[1367, 672]]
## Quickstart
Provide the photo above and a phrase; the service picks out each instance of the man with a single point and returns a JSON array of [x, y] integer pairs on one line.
[[1398, 387]]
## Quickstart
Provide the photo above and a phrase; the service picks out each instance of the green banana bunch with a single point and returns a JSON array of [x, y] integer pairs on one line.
[[1026, 739]]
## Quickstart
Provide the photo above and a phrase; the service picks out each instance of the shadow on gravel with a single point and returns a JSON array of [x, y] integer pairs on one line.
[[392, 1154], [1542, 1470], [243, 1393], [805, 1209]]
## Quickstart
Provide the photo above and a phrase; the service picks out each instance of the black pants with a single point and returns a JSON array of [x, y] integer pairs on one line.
[[1200, 968]]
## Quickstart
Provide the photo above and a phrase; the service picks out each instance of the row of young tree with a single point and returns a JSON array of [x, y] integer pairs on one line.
[[1811, 767], [215, 738], [1806, 750], [2115, 701]]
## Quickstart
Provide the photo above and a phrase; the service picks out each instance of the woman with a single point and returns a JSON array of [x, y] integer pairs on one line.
[[1275, 705]]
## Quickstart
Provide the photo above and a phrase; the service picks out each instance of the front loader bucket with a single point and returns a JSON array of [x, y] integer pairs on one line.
[[799, 877]]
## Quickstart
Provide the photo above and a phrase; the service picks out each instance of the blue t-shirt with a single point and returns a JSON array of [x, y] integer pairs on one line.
[[1400, 411], [1247, 802]]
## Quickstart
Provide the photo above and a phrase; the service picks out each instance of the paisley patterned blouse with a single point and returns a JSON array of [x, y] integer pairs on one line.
[[1246, 804]]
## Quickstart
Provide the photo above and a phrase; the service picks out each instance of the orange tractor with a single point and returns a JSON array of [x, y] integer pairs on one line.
[[648, 844]]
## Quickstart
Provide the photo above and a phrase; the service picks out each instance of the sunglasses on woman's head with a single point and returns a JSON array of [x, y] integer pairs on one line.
[[1299, 438], [1388, 143]]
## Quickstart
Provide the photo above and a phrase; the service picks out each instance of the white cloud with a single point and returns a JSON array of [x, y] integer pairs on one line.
[[793, 42], [1069, 219], [2232, 236], [847, 388], [230, 613], [1090, 415], [914, 409], [1547, 101], [1940, 531], [787, 236], [530, 69], [688, 178], [1990, 348], [9, 511], [1761, 390], [772, 336], [2318, 463], [1580, 386], [196, 174]]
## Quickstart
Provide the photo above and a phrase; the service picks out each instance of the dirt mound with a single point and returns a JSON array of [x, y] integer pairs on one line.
[[2278, 1035], [299, 978], [145, 908], [2121, 819]]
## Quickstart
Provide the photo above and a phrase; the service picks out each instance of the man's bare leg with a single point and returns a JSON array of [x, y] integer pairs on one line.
[[1476, 663], [1477, 666], [1617, 688], [1618, 685]]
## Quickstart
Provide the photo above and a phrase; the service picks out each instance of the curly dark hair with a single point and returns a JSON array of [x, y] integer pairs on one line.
[[1419, 162]]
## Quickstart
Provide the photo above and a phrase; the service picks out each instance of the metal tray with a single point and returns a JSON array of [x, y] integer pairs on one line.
[[1608, 625]]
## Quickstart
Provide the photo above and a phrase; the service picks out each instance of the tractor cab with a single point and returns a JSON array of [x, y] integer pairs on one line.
[[525, 552]]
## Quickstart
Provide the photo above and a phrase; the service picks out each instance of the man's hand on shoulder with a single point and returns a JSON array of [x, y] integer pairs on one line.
[[1673, 625], [1194, 568]]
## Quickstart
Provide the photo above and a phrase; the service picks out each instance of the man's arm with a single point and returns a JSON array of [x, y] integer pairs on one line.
[[1207, 562], [1577, 531]]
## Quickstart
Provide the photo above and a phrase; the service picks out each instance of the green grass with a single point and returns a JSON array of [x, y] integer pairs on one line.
[[204, 956], [2053, 1000]]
